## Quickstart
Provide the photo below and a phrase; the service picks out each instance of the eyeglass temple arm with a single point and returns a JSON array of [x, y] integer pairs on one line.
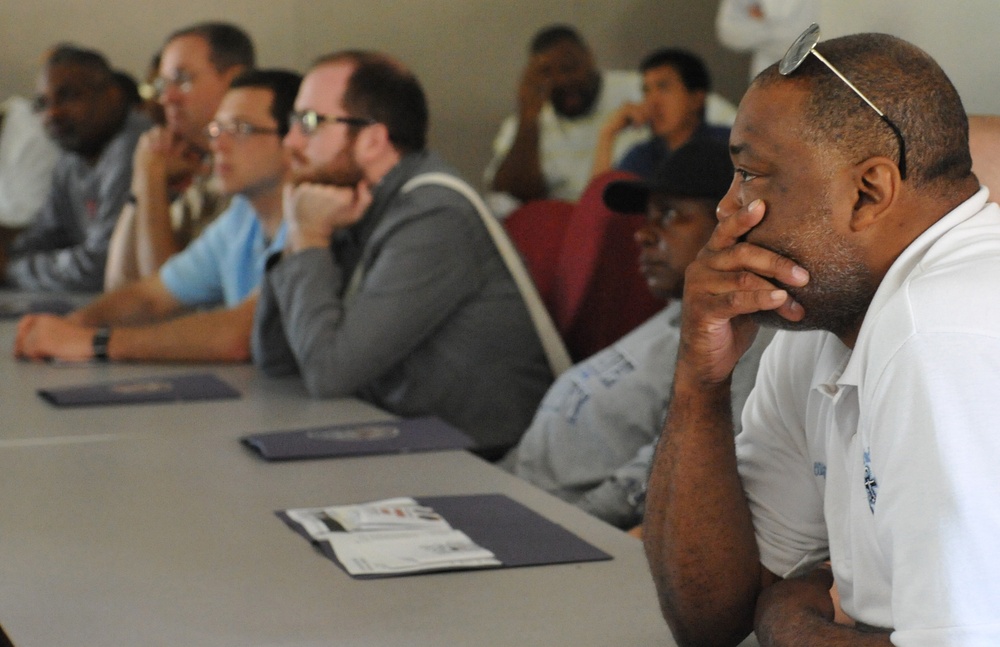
[[902, 145], [888, 122], [843, 78]]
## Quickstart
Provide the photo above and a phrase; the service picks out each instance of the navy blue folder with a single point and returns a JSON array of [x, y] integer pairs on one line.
[[517, 535], [361, 439], [161, 388]]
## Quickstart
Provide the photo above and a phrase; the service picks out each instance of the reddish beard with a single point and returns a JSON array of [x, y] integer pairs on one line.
[[343, 170]]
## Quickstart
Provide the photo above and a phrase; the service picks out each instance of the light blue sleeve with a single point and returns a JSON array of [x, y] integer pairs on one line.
[[193, 276]]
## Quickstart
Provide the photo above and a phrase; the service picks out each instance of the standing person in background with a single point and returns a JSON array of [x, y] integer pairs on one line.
[[763, 27], [88, 115], [172, 199]]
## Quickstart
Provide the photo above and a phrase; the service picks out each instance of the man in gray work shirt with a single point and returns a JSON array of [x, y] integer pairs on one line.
[[391, 293], [88, 116], [591, 442]]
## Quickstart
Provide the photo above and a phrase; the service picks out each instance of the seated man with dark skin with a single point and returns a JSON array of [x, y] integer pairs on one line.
[[86, 113], [591, 441], [157, 318], [869, 439], [546, 149]]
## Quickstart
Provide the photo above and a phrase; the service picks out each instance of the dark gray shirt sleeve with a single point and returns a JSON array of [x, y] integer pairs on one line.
[[422, 272], [268, 344], [45, 260], [67, 247]]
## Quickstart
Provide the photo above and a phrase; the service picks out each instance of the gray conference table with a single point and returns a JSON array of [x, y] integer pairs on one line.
[[152, 525]]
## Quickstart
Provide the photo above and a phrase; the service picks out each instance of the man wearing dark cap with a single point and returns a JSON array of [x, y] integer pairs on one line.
[[591, 440]]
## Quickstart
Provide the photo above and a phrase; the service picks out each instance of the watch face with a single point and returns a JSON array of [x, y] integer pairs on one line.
[[100, 343]]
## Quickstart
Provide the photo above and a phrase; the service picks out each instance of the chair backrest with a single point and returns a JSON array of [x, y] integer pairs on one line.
[[984, 143], [537, 230], [599, 294]]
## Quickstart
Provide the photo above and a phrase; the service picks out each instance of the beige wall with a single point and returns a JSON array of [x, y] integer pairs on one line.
[[964, 38], [467, 52]]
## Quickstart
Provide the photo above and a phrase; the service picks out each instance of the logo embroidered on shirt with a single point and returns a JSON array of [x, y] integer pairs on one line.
[[819, 469], [871, 483]]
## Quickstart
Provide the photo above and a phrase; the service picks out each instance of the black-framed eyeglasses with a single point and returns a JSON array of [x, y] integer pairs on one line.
[[804, 45], [310, 121], [184, 81], [238, 129]]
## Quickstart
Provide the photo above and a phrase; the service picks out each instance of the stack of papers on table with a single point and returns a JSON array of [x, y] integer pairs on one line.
[[405, 536], [391, 536]]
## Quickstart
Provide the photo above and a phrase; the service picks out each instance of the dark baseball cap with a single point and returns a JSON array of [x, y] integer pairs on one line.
[[700, 168]]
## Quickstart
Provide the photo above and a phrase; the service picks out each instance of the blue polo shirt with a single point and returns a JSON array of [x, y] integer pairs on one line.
[[225, 264]]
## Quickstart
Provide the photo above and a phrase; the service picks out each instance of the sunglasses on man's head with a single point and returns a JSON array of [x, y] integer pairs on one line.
[[805, 45]]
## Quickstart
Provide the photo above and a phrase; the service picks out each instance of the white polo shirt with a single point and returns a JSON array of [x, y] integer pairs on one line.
[[887, 457]]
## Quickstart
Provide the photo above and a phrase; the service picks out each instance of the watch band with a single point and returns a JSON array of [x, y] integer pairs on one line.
[[100, 342]]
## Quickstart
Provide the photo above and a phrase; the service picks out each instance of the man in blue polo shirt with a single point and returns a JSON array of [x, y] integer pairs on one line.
[[152, 317]]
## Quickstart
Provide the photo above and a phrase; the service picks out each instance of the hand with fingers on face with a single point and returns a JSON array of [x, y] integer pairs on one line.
[[729, 281], [43, 337], [314, 212], [534, 90], [629, 114], [161, 156]]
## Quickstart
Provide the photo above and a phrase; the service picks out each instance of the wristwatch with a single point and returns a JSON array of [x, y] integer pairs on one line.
[[101, 337]]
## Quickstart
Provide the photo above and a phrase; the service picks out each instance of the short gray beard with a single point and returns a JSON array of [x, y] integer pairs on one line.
[[839, 291]]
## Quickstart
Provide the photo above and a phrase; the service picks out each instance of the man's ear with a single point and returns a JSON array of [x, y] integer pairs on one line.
[[877, 183], [699, 101], [232, 72], [372, 142]]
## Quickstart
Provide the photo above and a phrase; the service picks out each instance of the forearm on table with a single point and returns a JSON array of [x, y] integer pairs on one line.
[[333, 361], [303, 291], [139, 302], [340, 349], [698, 530], [215, 336], [785, 627]]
